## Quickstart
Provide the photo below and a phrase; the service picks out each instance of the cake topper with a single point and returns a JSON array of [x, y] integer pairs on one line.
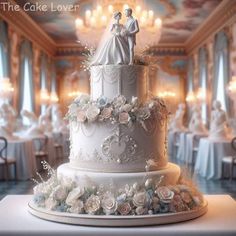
[[117, 44]]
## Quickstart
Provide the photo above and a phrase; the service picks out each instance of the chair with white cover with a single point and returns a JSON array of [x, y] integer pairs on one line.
[[230, 160], [6, 161], [41, 148]]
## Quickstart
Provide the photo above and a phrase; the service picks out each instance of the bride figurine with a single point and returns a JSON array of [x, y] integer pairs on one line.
[[114, 49]]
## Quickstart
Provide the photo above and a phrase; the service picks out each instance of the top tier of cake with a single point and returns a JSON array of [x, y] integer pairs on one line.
[[113, 80]]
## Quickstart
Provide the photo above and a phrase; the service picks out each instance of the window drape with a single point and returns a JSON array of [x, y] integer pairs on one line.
[[4, 49], [221, 49], [202, 62], [26, 56]]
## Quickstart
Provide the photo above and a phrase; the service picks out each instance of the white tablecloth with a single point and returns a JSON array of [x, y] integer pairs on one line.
[[219, 220], [192, 141], [181, 154], [22, 151], [209, 157], [173, 137]]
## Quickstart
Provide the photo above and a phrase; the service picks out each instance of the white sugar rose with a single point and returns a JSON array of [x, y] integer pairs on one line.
[[74, 195], [134, 101], [165, 194], [109, 204], [81, 116], [144, 113], [102, 101], [59, 193], [92, 205], [83, 99], [77, 207], [186, 197], [43, 189], [73, 109], [124, 118], [141, 210], [140, 199], [126, 108], [92, 113], [119, 101], [50, 203], [124, 208], [106, 113]]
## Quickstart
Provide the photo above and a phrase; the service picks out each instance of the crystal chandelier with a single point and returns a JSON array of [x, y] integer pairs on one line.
[[90, 27]]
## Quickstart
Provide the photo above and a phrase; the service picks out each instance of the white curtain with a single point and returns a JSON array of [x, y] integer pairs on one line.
[[1, 62], [26, 77], [221, 56], [202, 62], [4, 50], [190, 76]]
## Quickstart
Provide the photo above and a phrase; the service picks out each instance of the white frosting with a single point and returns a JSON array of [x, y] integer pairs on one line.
[[171, 174], [113, 80]]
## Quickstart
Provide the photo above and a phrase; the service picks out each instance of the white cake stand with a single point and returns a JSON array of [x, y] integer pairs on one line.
[[112, 221]]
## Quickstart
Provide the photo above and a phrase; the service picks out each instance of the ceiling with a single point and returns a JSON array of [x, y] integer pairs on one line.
[[180, 17]]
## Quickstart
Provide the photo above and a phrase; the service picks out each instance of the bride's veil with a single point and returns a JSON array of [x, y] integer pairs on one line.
[[105, 36]]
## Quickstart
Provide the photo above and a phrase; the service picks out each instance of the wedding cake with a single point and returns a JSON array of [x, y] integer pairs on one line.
[[118, 155]]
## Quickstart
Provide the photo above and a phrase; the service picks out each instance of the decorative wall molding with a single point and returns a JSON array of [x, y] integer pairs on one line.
[[222, 16], [167, 49], [28, 28]]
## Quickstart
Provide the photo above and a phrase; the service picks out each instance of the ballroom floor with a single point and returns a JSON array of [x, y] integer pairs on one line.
[[223, 186]]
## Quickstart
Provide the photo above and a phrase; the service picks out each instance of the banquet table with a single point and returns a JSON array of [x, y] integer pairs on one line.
[[209, 157], [181, 154], [192, 142], [22, 151], [173, 138], [219, 220]]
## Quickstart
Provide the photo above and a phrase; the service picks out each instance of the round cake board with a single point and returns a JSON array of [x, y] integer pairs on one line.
[[113, 221]]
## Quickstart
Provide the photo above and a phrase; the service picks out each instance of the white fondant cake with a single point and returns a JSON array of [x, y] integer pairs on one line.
[[118, 155]]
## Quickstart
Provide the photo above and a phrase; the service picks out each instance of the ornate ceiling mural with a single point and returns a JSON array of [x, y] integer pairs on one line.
[[180, 17]]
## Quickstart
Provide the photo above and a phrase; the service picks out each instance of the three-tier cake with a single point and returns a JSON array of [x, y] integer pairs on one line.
[[118, 159]]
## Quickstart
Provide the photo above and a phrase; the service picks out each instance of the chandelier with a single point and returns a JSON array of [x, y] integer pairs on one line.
[[90, 27]]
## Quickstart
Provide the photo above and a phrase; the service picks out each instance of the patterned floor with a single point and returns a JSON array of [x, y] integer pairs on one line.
[[224, 186]]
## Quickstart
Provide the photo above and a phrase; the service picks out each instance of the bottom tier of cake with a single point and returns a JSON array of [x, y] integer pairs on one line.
[[73, 191], [167, 176]]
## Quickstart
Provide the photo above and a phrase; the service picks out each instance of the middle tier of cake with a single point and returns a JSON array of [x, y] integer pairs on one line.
[[106, 147]]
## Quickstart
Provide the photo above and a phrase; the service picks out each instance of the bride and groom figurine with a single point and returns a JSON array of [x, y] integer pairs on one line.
[[118, 46]]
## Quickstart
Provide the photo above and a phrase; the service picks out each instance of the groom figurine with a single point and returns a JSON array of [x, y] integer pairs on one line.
[[132, 29]]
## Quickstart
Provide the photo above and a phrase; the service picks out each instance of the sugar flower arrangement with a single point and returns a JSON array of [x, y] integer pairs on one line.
[[151, 197], [118, 110]]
